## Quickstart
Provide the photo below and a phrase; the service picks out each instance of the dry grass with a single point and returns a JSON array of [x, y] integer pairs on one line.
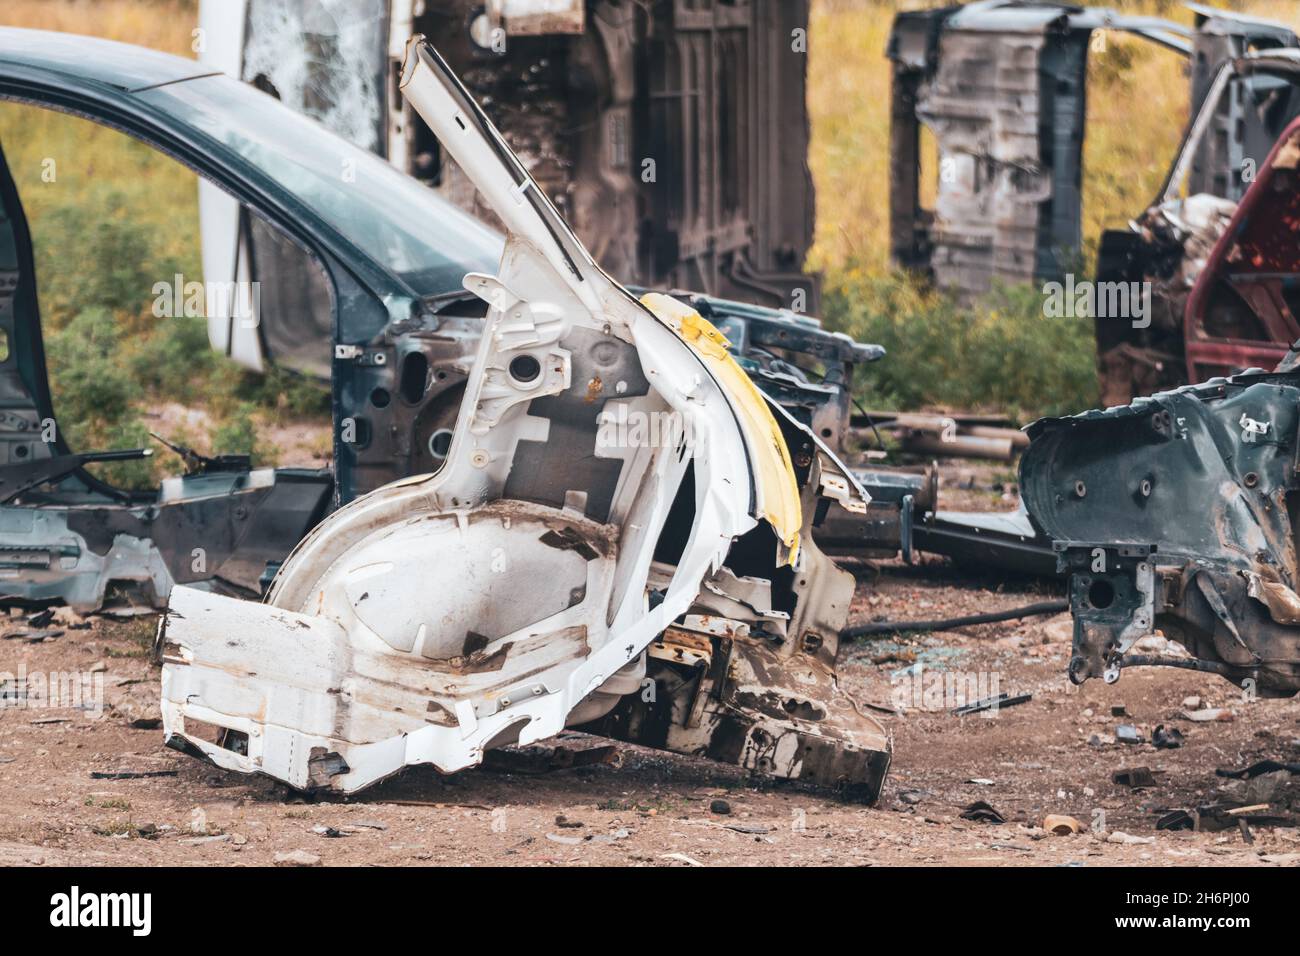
[[95, 168], [160, 24]]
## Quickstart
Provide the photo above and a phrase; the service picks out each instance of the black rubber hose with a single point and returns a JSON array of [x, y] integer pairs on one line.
[[895, 627], [1187, 663]]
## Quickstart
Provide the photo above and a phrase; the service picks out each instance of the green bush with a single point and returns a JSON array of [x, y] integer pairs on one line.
[[91, 253], [91, 384], [238, 434], [175, 362], [1000, 354]]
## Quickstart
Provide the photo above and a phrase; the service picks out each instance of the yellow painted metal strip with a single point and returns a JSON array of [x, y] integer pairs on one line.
[[777, 490]]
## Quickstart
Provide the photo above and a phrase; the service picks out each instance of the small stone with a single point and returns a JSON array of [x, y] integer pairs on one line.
[[297, 858], [1207, 715], [205, 840], [720, 807]]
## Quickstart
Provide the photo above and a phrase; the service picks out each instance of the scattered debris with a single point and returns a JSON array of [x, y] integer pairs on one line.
[[1119, 836], [1061, 825], [32, 636], [1177, 820], [681, 858], [41, 618], [756, 829], [131, 774], [1135, 778], [564, 823], [1129, 734], [999, 702], [981, 812], [1206, 715], [1167, 738], [1258, 769], [539, 760], [720, 807]]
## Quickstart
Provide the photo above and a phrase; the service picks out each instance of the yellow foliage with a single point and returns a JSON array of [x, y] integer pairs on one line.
[[160, 24]]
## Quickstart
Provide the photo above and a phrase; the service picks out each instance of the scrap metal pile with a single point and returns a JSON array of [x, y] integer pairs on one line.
[[549, 574], [565, 504], [1003, 87]]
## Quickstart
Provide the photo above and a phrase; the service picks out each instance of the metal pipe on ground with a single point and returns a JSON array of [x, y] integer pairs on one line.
[[948, 624], [959, 446]]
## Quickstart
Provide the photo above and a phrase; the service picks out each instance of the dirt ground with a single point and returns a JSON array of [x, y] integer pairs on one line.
[[660, 810]]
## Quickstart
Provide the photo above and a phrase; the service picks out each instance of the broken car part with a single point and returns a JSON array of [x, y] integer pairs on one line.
[[1177, 514], [1002, 87], [66, 536], [667, 591], [1218, 262], [353, 293], [653, 127]]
